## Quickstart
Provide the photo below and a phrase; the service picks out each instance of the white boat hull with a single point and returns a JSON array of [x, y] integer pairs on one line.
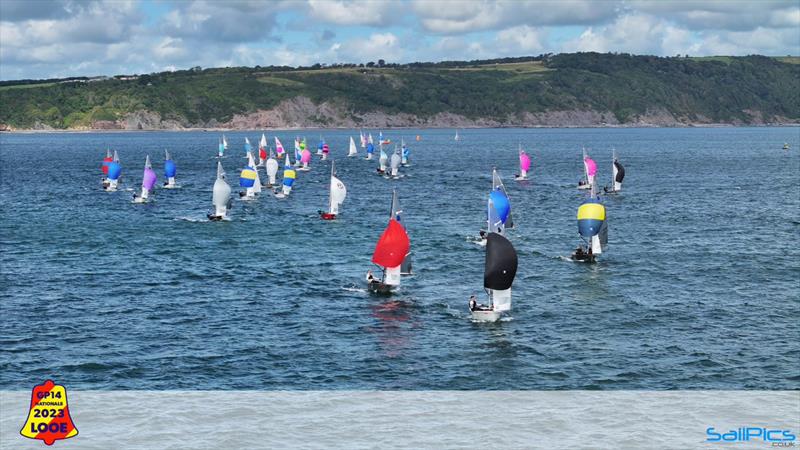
[[486, 316], [170, 184]]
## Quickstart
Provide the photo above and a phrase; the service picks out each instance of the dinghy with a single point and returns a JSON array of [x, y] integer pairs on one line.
[[335, 197], [104, 167], [278, 147], [589, 171], [325, 151], [305, 159], [524, 166], [299, 148], [499, 271], [383, 160], [248, 148], [114, 171], [353, 151], [363, 139], [289, 176], [271, 169], [262, 150], [224, 145], [498, 214], [592, 228], [456, 137], [370, 150], [786, 146], [405, 153], [320, 145], [617, 174], [221, 197], [497, 183], [221, 148], [383, 141], [169, 171], [248, 179], [394, 164], [391, 249], [397, 214], [148, 182]]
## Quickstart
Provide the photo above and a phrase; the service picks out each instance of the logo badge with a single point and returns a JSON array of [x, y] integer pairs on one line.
[[48, 417]]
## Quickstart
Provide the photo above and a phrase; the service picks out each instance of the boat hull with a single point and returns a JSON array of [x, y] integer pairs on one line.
[[486, 315], [327, 216], [380, 288]]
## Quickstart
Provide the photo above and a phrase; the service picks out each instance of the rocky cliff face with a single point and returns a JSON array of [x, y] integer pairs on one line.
[[301, 112]]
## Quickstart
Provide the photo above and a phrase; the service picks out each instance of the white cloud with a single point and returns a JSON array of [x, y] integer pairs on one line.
[[351, 12], [521, 39], [377, 46], [634, 33]]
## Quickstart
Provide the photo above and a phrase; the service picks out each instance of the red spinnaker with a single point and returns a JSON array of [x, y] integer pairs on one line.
[[106, 161], [392, 247]]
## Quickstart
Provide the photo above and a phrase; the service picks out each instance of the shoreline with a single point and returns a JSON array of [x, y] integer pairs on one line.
[[217, 130]]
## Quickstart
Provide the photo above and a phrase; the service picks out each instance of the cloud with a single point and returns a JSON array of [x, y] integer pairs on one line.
[[461, 16], [377, 46], [730, 15], [634, 33], [229, 21], [352, 12], [17, 10]]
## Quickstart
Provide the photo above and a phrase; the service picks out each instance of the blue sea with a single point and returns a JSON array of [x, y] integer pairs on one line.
[[699, 287]]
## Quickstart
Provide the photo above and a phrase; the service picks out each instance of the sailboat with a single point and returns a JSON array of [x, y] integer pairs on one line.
[[397, 214], [394, 164], [390, 251], [325, 151], [299, 148], [224, 144], [221, 149], [617, 174], [104, 167], [169, 171], [524, 165], [383, 141], [497, 183], [272, 170], [499, 271], [248, 179], [592, 228], [114, 171], [221, 196], [786, 146], [590, 169], [289, 176], [384, 159], [370, 150], [247, 146], [353, 150], [335, 197], [148, 182], [456, 137], [405, 153], [262, 150], [278, 147], [363, 138], [305, 158]]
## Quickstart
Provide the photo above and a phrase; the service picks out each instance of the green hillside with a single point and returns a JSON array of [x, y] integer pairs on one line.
[[720, 89]]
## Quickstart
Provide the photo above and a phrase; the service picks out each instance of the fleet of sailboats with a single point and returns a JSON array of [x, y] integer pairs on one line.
[[392, 250]]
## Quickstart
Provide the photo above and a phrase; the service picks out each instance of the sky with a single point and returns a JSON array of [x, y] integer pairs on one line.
[[62, 38]]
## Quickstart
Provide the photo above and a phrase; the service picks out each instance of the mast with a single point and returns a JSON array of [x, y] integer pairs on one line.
[[330, 188]]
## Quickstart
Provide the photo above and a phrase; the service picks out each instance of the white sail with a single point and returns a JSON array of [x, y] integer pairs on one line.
[[145, 191], [456, 138], [391, 276], [369, 139], [338, 192], [263, 142], [395, 164], [353, 150], [363, 139], [224, 142], [222, 193], [501, 300], [383, 160], [272, 169], [614, 172], [596, 247]]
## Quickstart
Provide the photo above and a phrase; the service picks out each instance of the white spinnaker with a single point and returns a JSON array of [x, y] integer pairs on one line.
[[272, 169], [395, 163], [353, 150], [338, 194], [222, 193]]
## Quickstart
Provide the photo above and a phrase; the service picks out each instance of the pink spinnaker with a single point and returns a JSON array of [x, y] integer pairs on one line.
[[149, 179], [306, 156], [278, 146], [524, 161], [591, 167]]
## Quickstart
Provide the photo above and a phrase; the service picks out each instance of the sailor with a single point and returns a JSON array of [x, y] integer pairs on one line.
[[473, 303], [371, 278]]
